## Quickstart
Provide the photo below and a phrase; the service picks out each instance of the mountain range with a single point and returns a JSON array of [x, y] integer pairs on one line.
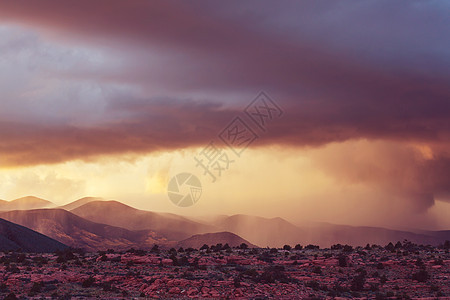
[[97, 224], [29, 202]]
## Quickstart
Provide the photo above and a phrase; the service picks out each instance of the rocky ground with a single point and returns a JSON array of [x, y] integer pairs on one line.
[[398, 271]]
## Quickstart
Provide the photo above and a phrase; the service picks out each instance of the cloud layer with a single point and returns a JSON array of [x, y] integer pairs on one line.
[[84, 79]]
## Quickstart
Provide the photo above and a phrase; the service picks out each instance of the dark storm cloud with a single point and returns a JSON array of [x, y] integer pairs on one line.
[[376, 70]]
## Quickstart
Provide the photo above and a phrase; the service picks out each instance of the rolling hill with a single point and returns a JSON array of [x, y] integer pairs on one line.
[[24, 203], [97, 224], [274, 232], [14, 237], [77, 203], [198, 240], [77, 232], [114, 213]]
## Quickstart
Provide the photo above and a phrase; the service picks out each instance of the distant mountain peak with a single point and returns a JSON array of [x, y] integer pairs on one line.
[[27, 202], [82, 201]]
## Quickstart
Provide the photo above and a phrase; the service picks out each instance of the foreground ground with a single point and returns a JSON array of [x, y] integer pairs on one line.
[[396, 272]]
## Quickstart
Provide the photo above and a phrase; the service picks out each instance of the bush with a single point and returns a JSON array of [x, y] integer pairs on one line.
[[336, 247], [315, 285], [380, 266], [64, 256], [88, 282], [155, 249], [36, 288], [419, 262], [358, 281], [251, 272], [347, 248], [342, 261], [298, 247], [287, 248], [11, 296], [237, 282], [272, 274], [243, 246], [217, 247], [421, 276], [266, 257], [312, 247], [389, 247]]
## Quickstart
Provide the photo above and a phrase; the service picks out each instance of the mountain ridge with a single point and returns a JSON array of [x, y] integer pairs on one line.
[[16, 237]]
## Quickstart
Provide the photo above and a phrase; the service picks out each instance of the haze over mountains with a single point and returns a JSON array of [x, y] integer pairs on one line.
[[28, 202], [77, 232], [115, 213], [96, 224]]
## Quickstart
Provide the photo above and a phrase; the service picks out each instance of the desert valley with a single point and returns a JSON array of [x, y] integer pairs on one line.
[[98, 248]]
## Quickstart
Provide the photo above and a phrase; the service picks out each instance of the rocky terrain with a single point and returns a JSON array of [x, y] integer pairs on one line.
[[401, 271]]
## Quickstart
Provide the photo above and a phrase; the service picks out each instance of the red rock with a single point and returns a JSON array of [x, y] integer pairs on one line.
[[174, 290], [192, 291]]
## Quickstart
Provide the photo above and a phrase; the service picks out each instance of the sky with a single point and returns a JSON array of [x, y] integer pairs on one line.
[[113, 98]]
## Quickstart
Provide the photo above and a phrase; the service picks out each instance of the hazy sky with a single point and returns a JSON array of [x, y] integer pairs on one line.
[[112, 98]]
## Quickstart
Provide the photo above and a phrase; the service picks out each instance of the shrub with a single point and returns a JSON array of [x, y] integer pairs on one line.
[[380, 266], [389, 246], [347, 248], [315, 285], [312, 247], [251, 272], [298, 247], [358, 281], [36, 288], [419, 262], [155, 249], [266, 257], [336, 247], [272, 274], [421, 276], [11, 296], [88, 282], [342, 261], [237, 282], [217, 247], [287, 248], [243, 246]]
